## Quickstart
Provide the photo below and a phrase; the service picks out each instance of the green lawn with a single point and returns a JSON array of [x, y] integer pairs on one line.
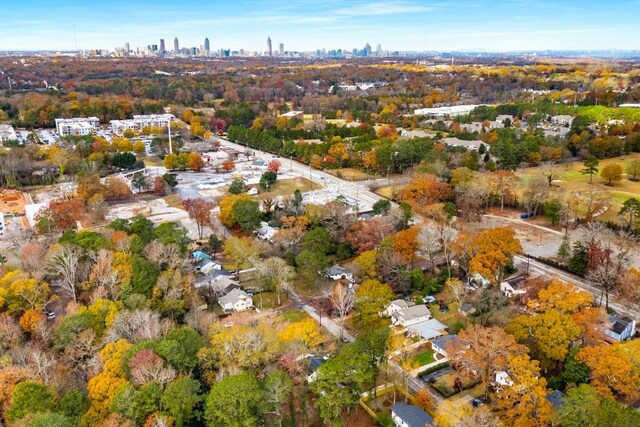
[[269, 300], [388, 192], [424, 358], [286, 187], [294, 315]]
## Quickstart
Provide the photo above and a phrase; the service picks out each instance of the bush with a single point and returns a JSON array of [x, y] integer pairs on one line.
[[384, 419]]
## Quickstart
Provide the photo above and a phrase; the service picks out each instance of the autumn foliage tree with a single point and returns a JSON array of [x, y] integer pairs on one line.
[[524, 403], [483, 351], [200, 211], [615, 369], [492, 250]]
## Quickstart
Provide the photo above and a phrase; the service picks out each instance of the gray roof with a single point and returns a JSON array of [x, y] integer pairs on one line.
[[415, 312], [441, 342], [232, 297], [620, 325], [412, 415], [556, 397], [337, 269], [401, 303]]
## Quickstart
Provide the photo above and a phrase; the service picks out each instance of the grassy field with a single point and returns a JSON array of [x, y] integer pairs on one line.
[[174, 200], [294, 315], [350, 174], [269, 300], [570, 179], [424, 358], [286, 187], [388, 192]]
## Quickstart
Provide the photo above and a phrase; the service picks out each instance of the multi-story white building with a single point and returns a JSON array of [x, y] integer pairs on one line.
[[2, 225], [140, 121], [7, 133], [77, 126]]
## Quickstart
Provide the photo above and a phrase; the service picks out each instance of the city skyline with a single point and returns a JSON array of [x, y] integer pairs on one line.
[[397, 24]]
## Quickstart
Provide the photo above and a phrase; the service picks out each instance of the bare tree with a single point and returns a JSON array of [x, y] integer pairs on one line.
[[448, 235], [136, 326], [67, 269], [549, 172], [275, 272], [103, 276], [342, 297], [430, 242]]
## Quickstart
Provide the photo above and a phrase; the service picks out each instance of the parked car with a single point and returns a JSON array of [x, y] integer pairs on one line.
[[429, 299], [50, 314], [477, 402], [443, 307]]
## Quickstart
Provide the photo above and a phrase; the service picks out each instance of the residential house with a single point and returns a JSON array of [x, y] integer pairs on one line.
[[217, 279], [266, 232], [293, 115], [556, 398], [502, 379], [411, 315], [428, 329], [440, 345], [314, 364], [622, 328], [205, 265], [405, 415], [235, 300], [395, 306], [513, 286], [338, 272]]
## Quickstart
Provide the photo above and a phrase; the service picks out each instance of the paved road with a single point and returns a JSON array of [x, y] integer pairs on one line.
[[354, 190], [537, 268]]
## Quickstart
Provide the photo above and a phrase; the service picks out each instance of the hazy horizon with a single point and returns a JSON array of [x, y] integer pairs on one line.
[[302, 25]]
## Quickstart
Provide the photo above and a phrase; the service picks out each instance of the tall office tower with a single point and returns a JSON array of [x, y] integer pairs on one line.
[[367, 50], [207, 46], [379, 50], [281, 48], [176, 46], [162, 48], [269, 46], [127, 49]]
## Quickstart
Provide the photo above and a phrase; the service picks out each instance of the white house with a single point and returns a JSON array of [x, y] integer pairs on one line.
[[439, 345], [395, 306], [622, 328], [235, 300], [338, 272], [405, 415], [513, 286], [502, 378], [428, 329], [411, 315], [293, 114]]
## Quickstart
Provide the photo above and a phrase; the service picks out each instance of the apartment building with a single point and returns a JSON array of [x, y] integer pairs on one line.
[[80, 126], [140, 121]]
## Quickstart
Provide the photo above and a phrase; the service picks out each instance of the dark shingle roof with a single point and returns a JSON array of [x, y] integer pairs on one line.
[[412, 415], [556, 397], [620, 325]]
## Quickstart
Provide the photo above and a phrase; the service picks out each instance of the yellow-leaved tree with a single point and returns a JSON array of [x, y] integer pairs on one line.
[[102, 388], [524, 403]]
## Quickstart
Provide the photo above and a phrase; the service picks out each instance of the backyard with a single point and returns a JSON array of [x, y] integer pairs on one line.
[[452, 383], [424, 358]]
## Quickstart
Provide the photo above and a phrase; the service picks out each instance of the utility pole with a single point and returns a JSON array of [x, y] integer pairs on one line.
[[169, 130]]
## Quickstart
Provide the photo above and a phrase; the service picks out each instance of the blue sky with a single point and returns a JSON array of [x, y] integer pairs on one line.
[[307, 25]]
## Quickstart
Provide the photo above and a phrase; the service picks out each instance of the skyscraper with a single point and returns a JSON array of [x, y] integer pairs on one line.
[[127, 49], [176, 46], [162, 48], [281, 49], [269, 46], [207, 47]]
